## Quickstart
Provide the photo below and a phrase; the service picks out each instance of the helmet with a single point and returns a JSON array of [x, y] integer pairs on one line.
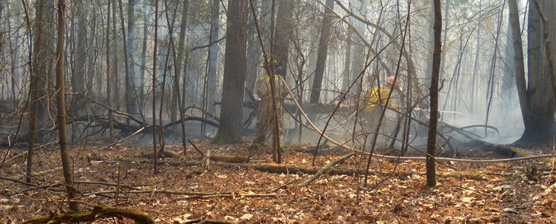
[[391, 80]]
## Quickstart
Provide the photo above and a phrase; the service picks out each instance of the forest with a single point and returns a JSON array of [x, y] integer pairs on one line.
[[277, 111]]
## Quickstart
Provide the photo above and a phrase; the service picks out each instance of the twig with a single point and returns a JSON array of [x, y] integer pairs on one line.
[[194, 146]]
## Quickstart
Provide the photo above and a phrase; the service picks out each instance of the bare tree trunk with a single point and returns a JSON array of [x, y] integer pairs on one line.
[[518, 60], [128, 83], [229, 128], [433, 122], [131, 52], [60, 105], [115, 78], [78, 81], [490, 93], [92, 54], [539, 124], [34, 86], [323, 52], [445, 38], [282, 36], [108, 76], [213, 56], [476, 66], [179, 62], [548, 47], [155, 159], [141, 82]]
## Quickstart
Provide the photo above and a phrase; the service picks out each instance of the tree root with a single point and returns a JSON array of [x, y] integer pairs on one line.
[[98, 212]]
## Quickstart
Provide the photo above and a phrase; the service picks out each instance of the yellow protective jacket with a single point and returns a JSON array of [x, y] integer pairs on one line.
[[263, 88], [378, 95]]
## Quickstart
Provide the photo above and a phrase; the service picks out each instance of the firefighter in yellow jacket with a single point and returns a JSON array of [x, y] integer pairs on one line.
[[378, 96], [264, 115], [375, 101]]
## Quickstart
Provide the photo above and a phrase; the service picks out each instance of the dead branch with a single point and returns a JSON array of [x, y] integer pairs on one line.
[[207, 221], [322, 170]]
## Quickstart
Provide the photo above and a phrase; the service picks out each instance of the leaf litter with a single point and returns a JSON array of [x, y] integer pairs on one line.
[[122, 176]]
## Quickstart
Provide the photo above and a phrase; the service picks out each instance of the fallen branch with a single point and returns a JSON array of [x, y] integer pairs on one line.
[[98, 212], [207, 221], [322, 170]]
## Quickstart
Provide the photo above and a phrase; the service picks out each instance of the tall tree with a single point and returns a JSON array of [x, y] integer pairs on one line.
[[517, 45], [229, 128], [108, 75], [210, 90], [359, 7], [155, 151], [538, 118], [131, 53], [323, 51], [179, 61], [60, 104], [35, 83], [282, 36], [476, 65], [129, 89], [433, 121], [78, 81]]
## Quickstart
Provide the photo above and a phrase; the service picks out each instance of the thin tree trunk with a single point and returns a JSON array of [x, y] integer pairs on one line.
[[115, 78], [178, 61], [212, 57], [445, 38], [131, 52], [128, 85], [78, 81], [108, 76], [141, 83], [493, 67], [433, 121], [476, 66], [155, 159], [34, 88], [178, 68], [60, 105]]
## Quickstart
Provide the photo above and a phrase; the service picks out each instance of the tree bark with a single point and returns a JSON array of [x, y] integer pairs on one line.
[[179, 62], [60, 105], [131, 50], [433, 121], [108, 76], [518, 60], [155, 151], [129, 90], [34, 88], [78, 81], [323, 52], [540, 120], [548, 47], [282, 36], [212, 57], [229, 128]]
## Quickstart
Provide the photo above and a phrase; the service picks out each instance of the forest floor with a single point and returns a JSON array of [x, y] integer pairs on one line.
[[182, 192]]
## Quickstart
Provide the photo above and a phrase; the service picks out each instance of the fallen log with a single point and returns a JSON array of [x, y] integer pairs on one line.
[[98, 212]]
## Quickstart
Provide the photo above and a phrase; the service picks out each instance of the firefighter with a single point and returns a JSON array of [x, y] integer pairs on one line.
[[265, 112], [376, 99], [378, 95]]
